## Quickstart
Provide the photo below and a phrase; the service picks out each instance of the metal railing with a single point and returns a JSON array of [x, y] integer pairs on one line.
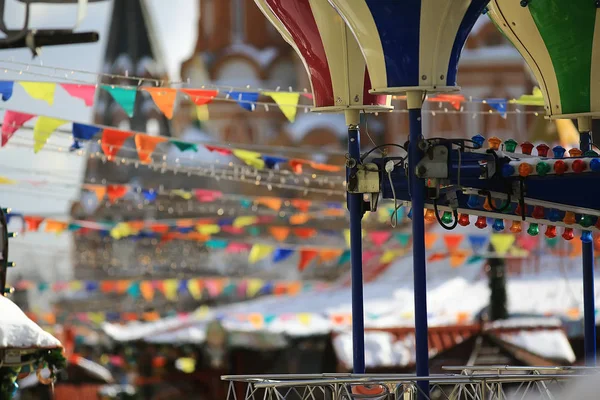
[[461, 383]]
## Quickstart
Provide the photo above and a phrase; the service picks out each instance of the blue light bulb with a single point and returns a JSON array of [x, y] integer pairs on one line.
[[559, 151], [410, 214], [554, 215], [498, 225], [479, 141], [508, 170], [473, 201], [595, 165], [586, 236]]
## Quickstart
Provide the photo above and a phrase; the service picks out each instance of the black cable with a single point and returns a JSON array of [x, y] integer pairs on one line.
[[499, 209], [439, 220], [362, 158], [522, 199]]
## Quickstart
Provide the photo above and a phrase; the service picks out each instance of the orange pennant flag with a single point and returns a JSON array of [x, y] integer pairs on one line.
[[301, 205], [147, 290], [273, 203], [325, 167], [164, 98], [453, 241], [200, 97], [458, 258], [99, 190], [305, 233], [55, 226], [430, 239], [279, 233], [33, 223], [299, 219], [576, 248], [115, 192], [112, 141], [122, 286], [145, 145], [330, 255], [306, 256]]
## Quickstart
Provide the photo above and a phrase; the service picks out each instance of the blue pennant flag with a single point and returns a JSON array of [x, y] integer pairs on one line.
[[185, 229], [272, 162], [91, 286], [182, 287], [225, 222], [246, 100], [498, 105], [82, 132], [6, 89], [149, 195], [478, 242], [281, 254], [112, 316], [12, 215]]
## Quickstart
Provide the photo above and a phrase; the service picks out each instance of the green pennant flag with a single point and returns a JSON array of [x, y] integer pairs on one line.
[[73, 227], [551, 242], [344, 258], [185, 146], [216, 244], [125, 97], [402, 238], [253, 230], [474, 259]]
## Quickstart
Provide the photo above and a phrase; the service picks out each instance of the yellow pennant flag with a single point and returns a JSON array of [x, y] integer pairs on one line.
[[287, 102], [251, 158], [75, 286], [40, 90], [170, 288], [502, 242], [257, 320], [390, 255], [241, 222], [254, 286], [208, 229], [122, 230], [195, 288], [534, 99], [97, 317], [304, 318], [202, 113], [184, 194], [347, 236], [44, 127], [5, 181], [259, 252], [202, 312]]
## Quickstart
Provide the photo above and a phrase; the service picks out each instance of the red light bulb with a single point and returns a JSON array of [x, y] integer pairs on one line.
[[542, 150], [516, 227], [568, 234], [519, 211], [538, 212], [526, 147], [463, 220], [560, 167], [550, 231], [578, 166], [481, 222]]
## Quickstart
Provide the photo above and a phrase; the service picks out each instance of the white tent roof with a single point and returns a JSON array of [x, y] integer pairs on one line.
[[18, 331]]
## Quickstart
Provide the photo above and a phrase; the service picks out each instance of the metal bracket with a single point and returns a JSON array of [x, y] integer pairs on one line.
[[434, 164], [365, 179]]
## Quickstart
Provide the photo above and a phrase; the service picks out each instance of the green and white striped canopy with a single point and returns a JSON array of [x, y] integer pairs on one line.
[[560, 41]]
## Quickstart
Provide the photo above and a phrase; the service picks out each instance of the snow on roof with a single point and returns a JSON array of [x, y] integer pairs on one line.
[[18, 331], [531, 322], [551, 344], [140, 330]]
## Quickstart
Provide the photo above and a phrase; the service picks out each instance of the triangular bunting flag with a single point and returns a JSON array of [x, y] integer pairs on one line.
[[83, 132], [498, 105], [430, 239], [478, 242], [259, 252], [125, 97], [279, 233], [44, 127], [185, 146], [201, 97], [453, 99], [390, 255], [33, 223], [53, 226], [345, 257], [202, 113], [378, 238], [145, 145], [437, 257], [402, 238], [254, 287], [457, 258], [115, 192], [83, 92], [164, 98], [246, 100], [305, 233], [6, 89], [195, 288], [12, 122], [474, 259], [251, 158], [534, 99], [40, 90], [243, 221], [272, 162], [273, 203], [217, 149], [147, 290], [453, 241], [287, 102], [301, 205], [306, 256], [502, 242], [99, 190], [112, 141], [329, 255]]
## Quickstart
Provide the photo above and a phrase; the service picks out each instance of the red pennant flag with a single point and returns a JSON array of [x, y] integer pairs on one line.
[[453, 241], [306, 256], [145, 146], [302, 205], [437, 257], [115, 192], [207, 196], [221, 150], [380, 237], [201, 97], [296, 165], [33, 223], [305, 233], [112, 141], [12, 122], [83, 92]]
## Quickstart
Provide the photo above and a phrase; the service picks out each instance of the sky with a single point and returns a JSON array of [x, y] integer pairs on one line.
[[41, 255]]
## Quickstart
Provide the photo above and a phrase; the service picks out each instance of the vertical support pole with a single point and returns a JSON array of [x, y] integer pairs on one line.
[[355, 205], [589, 307], [417, 195]]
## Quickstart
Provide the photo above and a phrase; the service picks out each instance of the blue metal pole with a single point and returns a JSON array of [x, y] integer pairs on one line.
[[589, 307], [417, 194], [355, 205]]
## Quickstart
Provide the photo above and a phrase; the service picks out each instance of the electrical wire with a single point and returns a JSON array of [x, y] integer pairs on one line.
[[439, 220], [364, 156]]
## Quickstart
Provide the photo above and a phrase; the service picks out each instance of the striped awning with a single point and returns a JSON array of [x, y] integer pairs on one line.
[[412, 44], [332, 58], [560, 41]]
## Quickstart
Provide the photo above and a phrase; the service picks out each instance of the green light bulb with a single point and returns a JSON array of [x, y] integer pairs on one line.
[[533, 230], [510, 145], [447, 217], [590, 153], [542, 168], [586, 221]]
